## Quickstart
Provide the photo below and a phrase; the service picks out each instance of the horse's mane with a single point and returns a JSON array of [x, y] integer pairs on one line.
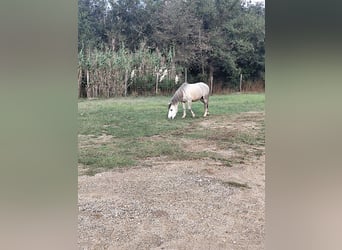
[[178, 96]]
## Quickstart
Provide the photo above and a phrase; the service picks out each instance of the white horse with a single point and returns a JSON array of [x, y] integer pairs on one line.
[[188, 93]]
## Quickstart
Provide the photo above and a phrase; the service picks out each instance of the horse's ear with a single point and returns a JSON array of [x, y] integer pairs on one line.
[[169, 105]]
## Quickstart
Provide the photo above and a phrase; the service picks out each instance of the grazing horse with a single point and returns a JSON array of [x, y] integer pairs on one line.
[[188, 93]]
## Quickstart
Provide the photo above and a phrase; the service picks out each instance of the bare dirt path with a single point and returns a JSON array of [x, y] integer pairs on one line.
[[198, 204]]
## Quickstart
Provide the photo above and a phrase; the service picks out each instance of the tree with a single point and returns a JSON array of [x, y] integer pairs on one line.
[[125, 23], [208, 37], [91, 23]]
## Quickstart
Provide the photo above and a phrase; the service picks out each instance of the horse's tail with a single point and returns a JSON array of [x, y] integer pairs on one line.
[[209, 89], [211, 83]]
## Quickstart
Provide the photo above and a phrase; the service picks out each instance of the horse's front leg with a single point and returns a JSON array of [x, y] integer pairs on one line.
[[184, 110], [189, 106]]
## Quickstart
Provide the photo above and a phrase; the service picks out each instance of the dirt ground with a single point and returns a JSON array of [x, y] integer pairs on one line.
[[198, 204]]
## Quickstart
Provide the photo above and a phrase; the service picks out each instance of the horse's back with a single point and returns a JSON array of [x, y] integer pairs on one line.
[[204, 85], [198, 90]]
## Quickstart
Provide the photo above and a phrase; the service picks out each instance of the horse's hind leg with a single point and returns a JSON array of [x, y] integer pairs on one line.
[[206, 109], [205, 101]]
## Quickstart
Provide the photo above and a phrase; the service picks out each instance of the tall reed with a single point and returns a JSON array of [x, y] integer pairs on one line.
[[107, 73]]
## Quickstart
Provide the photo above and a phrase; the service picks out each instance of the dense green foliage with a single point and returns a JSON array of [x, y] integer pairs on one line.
[[193, 39]]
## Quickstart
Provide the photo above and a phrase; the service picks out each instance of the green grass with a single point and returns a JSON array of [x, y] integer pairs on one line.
[[138, 128]]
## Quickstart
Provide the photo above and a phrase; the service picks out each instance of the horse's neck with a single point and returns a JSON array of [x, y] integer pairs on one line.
[[178, 97], [175, 101]]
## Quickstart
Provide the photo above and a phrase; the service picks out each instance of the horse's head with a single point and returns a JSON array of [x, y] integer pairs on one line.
[[173, 109]]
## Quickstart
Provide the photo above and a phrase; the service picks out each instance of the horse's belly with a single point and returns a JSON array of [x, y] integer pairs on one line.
[[196, 98]]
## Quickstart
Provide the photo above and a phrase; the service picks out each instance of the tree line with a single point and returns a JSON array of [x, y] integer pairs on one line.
[[151, 46]]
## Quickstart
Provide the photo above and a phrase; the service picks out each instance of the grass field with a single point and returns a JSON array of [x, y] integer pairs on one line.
[[123, 132]]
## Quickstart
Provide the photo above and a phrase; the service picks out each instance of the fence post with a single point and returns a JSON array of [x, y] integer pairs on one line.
[[126, 80], [240, 82], [186, 75], [157, 80], [211, 79]]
